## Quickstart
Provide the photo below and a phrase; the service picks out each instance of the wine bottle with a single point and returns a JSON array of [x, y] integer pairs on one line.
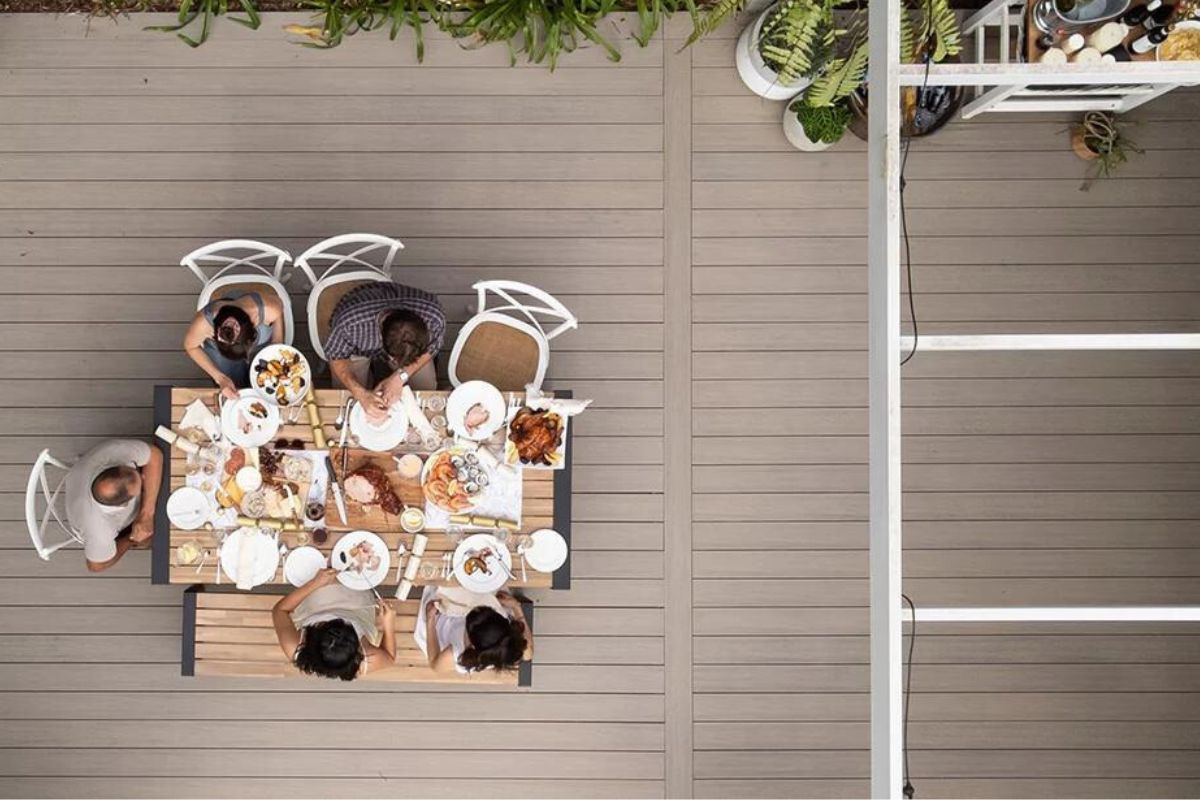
[[1158, 16], [1138, 14], [1151, 40]]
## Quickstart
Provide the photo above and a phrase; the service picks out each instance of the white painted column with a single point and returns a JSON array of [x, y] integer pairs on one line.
[[883, 260]]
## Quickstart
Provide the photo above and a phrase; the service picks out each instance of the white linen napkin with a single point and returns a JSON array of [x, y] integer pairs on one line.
[[563, 406], [416, 417], [198, 416]]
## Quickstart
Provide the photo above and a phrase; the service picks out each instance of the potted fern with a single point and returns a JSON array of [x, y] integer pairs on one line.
[[819, 119], [781, 50]]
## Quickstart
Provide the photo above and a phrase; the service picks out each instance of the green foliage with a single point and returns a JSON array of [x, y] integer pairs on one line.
[[934, 31], [713, 18], [541, 29], [651, 13], [341, 18], [207, 10], [1104, 134], [796, 38], [841, 76], [825, 124]]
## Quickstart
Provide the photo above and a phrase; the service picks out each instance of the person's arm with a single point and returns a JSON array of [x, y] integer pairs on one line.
[[433, 648], [143, 524], [513, 606], [273, 312], [281, 613], [385, 654], [123, 544], [193, 345], [371, 402]]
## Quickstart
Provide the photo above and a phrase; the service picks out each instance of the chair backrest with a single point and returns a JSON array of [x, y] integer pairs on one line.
[[325, 294], [526, 302], [40, 482], [244, 256], [357, 251]]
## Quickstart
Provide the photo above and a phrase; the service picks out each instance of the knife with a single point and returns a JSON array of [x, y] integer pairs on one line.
[[336, 485]]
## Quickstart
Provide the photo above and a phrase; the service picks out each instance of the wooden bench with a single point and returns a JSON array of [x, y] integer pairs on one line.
[[229, 633]]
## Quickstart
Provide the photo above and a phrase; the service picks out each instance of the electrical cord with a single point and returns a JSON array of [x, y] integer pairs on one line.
[[909, 790], [912, 306]]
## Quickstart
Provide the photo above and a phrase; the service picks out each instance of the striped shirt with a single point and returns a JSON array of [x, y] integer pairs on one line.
[[355, 327]]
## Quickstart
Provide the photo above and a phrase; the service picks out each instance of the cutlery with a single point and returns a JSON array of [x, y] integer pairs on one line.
[[341, 417], [447, 564], [203, 561], [399, 560], [346, 566], [521, 553]]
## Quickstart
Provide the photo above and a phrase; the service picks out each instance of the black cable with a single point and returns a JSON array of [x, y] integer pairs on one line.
[[912, 307], [909, 790]]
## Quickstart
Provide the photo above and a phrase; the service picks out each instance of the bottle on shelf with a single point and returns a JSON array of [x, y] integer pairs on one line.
[[1158, 16], [1108, 36], [1139, 14], [1072, 43], [1151, 40]]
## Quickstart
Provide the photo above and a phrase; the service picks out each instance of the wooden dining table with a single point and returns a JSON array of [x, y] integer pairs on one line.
[[545, 503]]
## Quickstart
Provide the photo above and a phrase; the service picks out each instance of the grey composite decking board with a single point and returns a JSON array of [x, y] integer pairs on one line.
[[1034, 478]]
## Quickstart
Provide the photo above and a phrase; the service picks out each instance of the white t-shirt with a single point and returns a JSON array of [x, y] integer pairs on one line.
[[454, 603], [99, 523]]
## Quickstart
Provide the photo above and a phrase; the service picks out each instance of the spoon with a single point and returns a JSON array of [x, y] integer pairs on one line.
[[341, 417]]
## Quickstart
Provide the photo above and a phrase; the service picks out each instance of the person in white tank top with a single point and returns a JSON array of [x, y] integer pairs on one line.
[[468, 632]]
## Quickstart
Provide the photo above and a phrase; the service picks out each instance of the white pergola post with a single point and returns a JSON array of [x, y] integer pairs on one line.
[[883, 263]]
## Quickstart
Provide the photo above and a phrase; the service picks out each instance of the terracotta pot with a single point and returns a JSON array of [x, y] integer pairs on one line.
[[1079, 145]]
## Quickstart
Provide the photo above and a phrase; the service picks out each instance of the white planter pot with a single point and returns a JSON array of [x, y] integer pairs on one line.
[[795, 134], [754, 72]]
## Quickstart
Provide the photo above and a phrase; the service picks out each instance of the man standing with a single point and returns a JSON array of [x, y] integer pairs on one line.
[[381, 337], [110, 496]]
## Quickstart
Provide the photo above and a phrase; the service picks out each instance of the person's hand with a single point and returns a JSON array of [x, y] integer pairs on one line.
[[386, 614], [324, 577], [508, 601], [431, 612], [375, 407], [390, 389], [227, 387], [143, 530]]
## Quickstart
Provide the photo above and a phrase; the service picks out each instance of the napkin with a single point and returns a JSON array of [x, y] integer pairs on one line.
[[198, 416], [563, 406], [416, 417]]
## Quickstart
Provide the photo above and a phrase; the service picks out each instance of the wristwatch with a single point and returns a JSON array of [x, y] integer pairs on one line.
[[403, 376]]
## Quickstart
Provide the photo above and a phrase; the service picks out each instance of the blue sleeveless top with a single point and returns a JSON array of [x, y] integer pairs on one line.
[[238, 371]]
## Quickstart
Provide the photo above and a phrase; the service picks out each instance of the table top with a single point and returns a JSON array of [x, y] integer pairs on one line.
[[1033, 52], [546, 503]]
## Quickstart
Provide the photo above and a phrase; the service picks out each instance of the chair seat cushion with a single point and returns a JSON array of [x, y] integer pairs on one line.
[[500, 354]]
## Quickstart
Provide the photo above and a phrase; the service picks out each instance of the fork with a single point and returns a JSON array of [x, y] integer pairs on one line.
[[447, 564]]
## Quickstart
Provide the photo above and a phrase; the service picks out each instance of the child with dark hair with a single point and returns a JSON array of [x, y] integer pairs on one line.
[[226, 333], [468, 632], [329, 630]]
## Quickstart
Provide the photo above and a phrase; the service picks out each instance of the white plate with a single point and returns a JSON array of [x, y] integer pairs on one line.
[[262, 432], [302, 565], [381, 439], [274, 351], [559, 460], [266, 555], [547, 550], [188, 508], [478, 581], [366, 580], [469, 394], [453, 451]]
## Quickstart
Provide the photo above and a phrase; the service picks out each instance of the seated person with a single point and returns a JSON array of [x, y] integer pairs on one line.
[[110, 497], [468, 632], [382, 336], [226, 333], [329, 630]]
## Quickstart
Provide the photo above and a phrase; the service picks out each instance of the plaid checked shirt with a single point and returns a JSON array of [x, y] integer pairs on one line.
[[354, 329]]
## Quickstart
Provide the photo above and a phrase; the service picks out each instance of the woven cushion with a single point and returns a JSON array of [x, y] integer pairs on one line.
[[500, 354]]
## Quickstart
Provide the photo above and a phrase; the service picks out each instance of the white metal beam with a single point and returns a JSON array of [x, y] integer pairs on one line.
[[1058, 614], [1054, 341], [883, 302], [1126, 72]]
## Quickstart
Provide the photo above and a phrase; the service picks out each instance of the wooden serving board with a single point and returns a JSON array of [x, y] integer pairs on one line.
[[373, 518]]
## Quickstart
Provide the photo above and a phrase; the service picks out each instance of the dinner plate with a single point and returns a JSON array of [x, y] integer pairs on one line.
[[188, 508], [266, 555], [355, 580], [547, 550], [480, 581], [262, 430], [462, 453], [467, 395], [303, 564], [1181, 25], [273, 352], [379, 438]]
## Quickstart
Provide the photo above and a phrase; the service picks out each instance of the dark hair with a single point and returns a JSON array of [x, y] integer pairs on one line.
[[114, 486], [330, 649], [493, 641], [233, 332], [405, 337]]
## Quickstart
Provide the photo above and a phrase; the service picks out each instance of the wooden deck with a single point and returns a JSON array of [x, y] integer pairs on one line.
[[713, 641]]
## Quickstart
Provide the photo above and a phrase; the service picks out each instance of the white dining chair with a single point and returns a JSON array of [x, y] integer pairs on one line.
[[336, 266], [40, 482], [507, 344], [242, 265]]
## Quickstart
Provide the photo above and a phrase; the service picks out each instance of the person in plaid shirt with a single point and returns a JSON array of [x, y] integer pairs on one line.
[[381, 337]]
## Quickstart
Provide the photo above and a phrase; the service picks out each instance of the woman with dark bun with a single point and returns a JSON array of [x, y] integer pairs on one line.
[[226, 333], [468, 632], [328, 630]]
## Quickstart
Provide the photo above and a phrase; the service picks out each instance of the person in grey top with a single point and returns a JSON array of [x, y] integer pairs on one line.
[[110, 497], [382, 336]]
